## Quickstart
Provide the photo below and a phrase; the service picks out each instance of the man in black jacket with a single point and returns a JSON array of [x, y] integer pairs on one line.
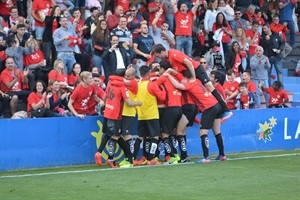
[[115, 57], [273, 45]]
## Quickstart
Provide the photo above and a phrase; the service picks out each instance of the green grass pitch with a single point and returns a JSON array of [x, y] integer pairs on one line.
[[262, 175]]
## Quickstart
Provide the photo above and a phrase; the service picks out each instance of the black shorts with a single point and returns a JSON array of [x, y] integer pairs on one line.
[[127, 125], [161, 112], [202, 75], [170, 119], [209, 115], [148, 128], [114, 127], [190, 111]]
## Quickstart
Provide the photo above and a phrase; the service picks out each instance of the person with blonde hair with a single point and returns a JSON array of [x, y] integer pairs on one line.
[[80, 98], [58, 73]]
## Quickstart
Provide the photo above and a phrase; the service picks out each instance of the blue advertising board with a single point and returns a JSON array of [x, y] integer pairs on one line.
[[49, 142]]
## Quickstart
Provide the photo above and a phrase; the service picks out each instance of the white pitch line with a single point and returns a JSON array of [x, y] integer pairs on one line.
[[109, 169]]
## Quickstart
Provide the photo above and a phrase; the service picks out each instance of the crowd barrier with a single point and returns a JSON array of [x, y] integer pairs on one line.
[[49, 142]]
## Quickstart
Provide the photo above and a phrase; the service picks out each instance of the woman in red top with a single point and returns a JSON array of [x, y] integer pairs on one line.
[[222, 24], [35, 62], [75, 74], [58, 74], [38, 101]]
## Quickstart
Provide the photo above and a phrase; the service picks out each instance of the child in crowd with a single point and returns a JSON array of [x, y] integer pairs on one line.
[[245, 99], [278, 96]]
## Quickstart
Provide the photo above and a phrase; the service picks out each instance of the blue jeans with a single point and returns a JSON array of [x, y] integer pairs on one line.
[[184, 43], [68, 60], [258, 92], [79, 3], [274, 61], [170, 20], [291, 27], [99, 63]]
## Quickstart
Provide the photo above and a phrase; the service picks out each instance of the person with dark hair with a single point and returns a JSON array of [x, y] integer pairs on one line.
[[38, 101], [245, 99], [231, 89], [221, 26], [253, 37], [75, 74], [238, 22], [233, 59], [135, 19], [65, 40], [14, 82], [215, 77], [148, 116], [211, 113], [278, 96], [115, 57], [273, 46], [180, 62], [172, 113]]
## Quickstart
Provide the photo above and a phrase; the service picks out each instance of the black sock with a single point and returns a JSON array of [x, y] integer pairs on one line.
[[174, 143], [168, 147], [146, 147], [220, 100], [124, 146], [137, 144], [152, 150], [220, 144], [111, 148], [159, 144], [182, 146], [103, 143], [130, 145], [205, 145]]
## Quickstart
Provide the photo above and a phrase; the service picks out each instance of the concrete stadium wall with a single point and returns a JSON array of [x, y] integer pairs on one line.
[[38, 143]]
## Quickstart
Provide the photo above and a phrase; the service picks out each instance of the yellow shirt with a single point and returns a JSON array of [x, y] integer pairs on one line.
[[148, 110], [129, 111]]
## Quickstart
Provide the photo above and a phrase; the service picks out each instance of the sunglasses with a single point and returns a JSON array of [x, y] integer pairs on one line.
[[132, 10], [202, 62]]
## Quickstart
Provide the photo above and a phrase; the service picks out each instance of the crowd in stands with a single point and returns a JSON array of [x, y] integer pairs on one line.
[[163, 60]]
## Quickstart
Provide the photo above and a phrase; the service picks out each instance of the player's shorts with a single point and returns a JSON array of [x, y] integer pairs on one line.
[[209, 115], [148, 128], [114, 127], [201, 75], [170, 119], [161, 112], [190, 111], [127, 125]]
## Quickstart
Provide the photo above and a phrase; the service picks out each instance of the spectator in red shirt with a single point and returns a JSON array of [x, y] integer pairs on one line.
[[75, 74], [40, 9], [224, 27], [5, 8], [58, 73], [211, 113], [245, 99], [231, 89], [153, 9], [36, 63], [79, 100], [113, 20], [184, 20], [13, 83], [38, 101], [278, 96]]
